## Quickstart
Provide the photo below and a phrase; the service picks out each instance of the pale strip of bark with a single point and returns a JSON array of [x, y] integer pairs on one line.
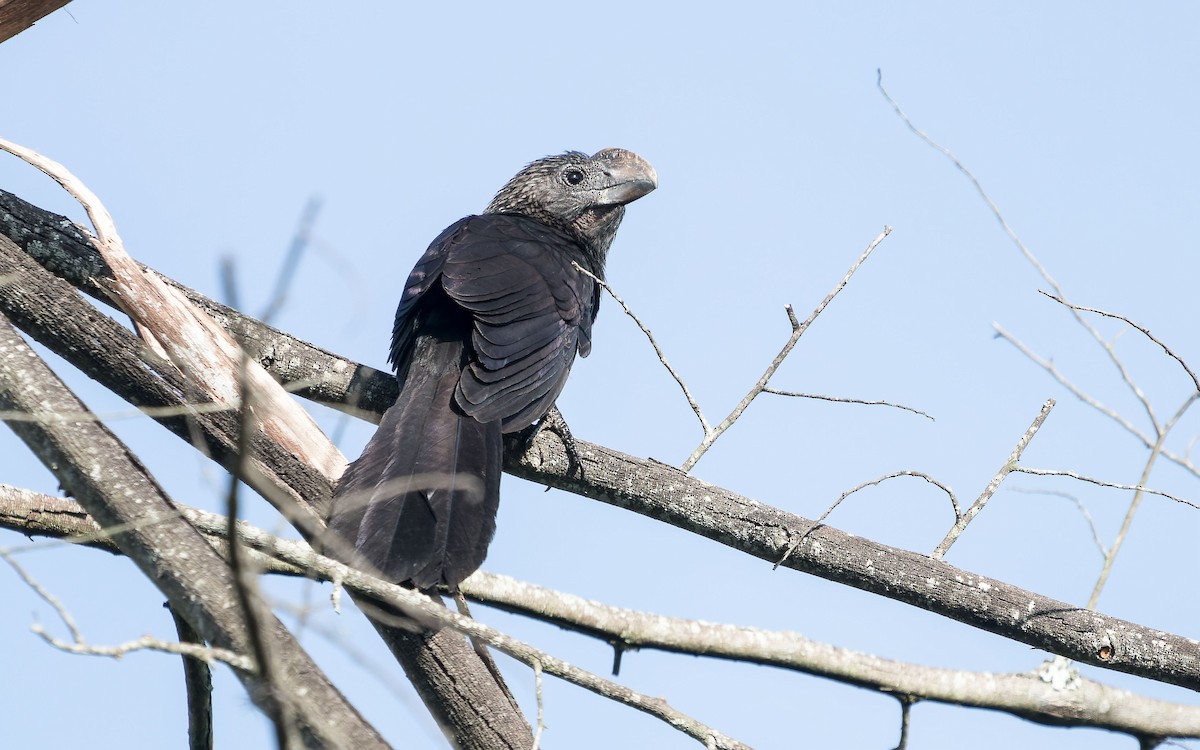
[[205, 353]]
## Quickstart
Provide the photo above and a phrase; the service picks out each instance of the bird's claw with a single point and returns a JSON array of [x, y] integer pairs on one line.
[[554, 422]]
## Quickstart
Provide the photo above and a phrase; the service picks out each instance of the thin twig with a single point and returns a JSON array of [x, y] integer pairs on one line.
[[657, 350], [1142, 329], [46, 596], [842, 400], [79, 644], [953, 503], [541, 711], [798, 330], [906, 704], [291, 261], [1054, 372], [1111, 557], [1102, 483], [149, 643], [1087, 516], [961, 524], [243, 576]]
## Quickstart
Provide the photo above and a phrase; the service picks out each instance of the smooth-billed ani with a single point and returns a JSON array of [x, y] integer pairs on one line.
[[488, 325]]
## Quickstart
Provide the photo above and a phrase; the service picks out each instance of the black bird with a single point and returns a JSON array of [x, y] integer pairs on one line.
[[488, 325]]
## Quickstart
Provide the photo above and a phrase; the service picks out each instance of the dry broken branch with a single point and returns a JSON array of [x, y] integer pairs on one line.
[[204, 352]]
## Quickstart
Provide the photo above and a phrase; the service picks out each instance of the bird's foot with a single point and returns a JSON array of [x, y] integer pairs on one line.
[[554, 422]]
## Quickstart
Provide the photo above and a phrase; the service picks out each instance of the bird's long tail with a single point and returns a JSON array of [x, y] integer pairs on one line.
[[420, 503]]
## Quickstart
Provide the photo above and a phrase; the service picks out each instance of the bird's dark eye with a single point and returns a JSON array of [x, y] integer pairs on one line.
[[573, 176]]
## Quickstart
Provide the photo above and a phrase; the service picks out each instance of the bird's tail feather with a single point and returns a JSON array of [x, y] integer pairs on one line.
[[420, 504]]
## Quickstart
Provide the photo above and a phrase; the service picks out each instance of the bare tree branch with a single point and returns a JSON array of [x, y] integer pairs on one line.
[[1070, 701], [197, 678], [1156, 446], [963, 519], [203, 351], [102, 475], [1184, 461], [18, 15], [842, 400], [1142, 329], [1102, 483]]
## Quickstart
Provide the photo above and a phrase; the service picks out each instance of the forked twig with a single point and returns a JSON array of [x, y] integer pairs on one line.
[[798, 329]]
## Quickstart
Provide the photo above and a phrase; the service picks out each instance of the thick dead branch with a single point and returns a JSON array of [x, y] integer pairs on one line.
[[455, 684], [65, 249], [210, 360], [18, 15], [101, 473]]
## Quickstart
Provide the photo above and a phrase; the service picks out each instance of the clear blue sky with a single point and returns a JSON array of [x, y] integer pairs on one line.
[[206, 127]]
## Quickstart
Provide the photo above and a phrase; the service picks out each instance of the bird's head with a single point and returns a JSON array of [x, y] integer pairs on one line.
[[583, 195]]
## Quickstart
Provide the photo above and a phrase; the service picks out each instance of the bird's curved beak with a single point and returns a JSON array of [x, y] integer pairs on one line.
[[627, 176]]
